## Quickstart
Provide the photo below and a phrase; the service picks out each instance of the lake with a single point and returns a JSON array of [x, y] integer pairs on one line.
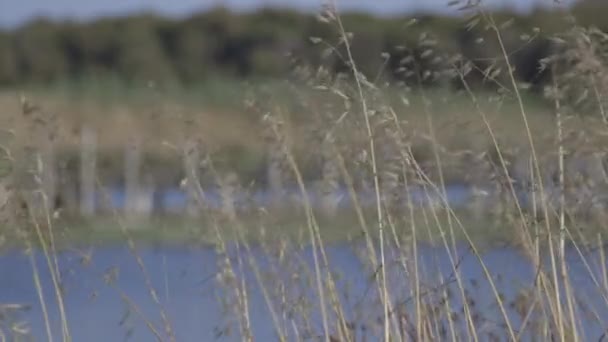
[[185, 280]]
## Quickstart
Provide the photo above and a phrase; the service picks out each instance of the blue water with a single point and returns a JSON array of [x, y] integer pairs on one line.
[[186, 284], [175, 199], [456, 196]]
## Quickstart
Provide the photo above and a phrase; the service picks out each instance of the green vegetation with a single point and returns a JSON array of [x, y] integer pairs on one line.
[[270, 43], [487, 232]]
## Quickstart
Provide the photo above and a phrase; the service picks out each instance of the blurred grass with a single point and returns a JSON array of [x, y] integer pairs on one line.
[[286, 225], [219, 103], [226, 114]]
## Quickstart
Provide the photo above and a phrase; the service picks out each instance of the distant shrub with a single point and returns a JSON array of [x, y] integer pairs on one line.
[[414, 50]]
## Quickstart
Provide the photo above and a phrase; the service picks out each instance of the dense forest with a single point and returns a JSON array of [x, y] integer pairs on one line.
[[271, 42]]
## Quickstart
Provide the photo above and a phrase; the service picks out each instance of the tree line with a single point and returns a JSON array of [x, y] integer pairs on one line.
[[272, 42]]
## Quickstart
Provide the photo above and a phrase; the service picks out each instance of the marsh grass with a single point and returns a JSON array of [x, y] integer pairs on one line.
[[160, 117], [352, 131]]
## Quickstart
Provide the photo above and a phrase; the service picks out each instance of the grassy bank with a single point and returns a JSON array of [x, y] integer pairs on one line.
[[429, 224], [226, 117]]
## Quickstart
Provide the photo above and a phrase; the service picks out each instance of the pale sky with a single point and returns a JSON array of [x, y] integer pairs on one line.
[[16, 12]]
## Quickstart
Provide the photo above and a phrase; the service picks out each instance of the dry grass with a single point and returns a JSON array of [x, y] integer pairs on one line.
[[361, 138], [118, 122], [161, 122]]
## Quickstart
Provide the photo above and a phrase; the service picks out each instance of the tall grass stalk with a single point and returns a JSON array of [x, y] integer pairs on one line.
[[40, 293], [535, 160], [239, 230], [38, 205], [315, 236], [562, 217], [372, 151], [120, 221]]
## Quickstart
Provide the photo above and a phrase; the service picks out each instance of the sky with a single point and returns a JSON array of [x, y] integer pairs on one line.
[[17, 12]]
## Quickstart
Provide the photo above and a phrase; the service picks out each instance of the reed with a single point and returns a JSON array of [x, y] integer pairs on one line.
[[537, 179]]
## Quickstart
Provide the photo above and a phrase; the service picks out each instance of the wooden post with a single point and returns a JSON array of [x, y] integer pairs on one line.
[[330, 183], [133, 191], [147, 195], [191, 185], [67, 176], [48, 175], [228, 190], [88, 169]]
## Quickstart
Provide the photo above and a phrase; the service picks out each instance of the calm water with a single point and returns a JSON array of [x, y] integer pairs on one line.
[[175, 199], [457, 196], [184, 280]]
